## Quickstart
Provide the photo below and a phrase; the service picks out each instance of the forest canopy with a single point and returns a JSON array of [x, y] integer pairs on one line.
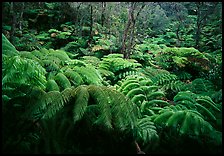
[[112, 77]]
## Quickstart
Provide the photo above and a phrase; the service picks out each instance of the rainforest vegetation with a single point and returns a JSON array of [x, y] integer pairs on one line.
[[112, 77]]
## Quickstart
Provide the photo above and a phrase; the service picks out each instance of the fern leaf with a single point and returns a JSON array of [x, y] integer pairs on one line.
[[176, 119], [74, 77], [163, 117], [209, 103], [156, 94], [133, 92], [51, 85], [129, 87], [137, 99], [62, 81], [186, 124], [206, 111], [81, 102]]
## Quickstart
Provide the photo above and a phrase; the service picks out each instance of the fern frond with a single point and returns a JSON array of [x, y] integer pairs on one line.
[[62, 81], [50, 66], [163, 117], [23, 71], [205, 100], [204, 111], [176, 119], [81, 102], [155, 95], [51, 85], [7, 48], [73, 77], [146, 131]]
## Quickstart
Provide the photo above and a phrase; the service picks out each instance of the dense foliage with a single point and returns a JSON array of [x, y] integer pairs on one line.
[[111, 77]]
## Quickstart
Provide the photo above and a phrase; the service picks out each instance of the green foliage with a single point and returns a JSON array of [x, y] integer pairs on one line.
[[119, 66], [18, 71], [202, 104], [27, 42], [186, 122], [146, 131], [7, 47], [167, 81], [143, 93], [202, 86]]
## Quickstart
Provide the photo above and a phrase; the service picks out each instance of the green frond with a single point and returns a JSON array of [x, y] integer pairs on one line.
[[186, 122], [187, 95], [201, 85], [62, 81], [38, 54], [73, 77], [205, 112], [29, 55], [129, 87], [155, 95], [51, 85], [81, 102], [106, 73], [23, 71], [138, 99], [133, 92], [74, 62], [127, 82], [207, 101], [52, 105], [7, 48], [146, 131], [50, 65], [92, 60], [60, 54], [182, 75], [89, 75], [162, 118], [176, 119], [160, 103]]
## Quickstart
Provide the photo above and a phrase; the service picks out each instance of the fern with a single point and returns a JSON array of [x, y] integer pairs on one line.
[[182, 75], [62, 81], [7, 47], [143, 93], [119, 66], [186, 122], [202, 104], [73, 77], [89, 74], [52, 85], [146, 131], [202, 86], [23, 71], [81, 103]]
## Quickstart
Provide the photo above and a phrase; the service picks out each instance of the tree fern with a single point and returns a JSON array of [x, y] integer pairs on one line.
[[146, 131], [202, 104], [89, 74], [81, 103], [23, 71], [119, 66], [62, 81], [52, 85], [186, 122], [7, 47], [142, 92]]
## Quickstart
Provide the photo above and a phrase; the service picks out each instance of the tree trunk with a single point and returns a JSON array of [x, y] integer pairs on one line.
[[91, 25], [21, 17], [103, 12], [129, 32], [125, 35], [12, 33]]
